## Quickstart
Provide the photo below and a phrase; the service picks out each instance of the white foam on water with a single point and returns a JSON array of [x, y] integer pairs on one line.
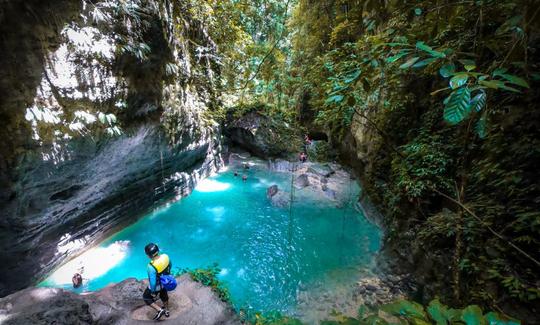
[[92, 264], [210, 185]]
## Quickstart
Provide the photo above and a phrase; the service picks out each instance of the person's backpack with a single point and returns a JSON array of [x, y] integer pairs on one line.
[[168, 282]]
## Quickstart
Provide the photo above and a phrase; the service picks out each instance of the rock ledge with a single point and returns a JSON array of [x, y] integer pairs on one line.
[[121, 303]]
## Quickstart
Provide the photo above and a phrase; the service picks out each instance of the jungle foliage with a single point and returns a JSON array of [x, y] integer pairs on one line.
[[440, 99], [438, 102]]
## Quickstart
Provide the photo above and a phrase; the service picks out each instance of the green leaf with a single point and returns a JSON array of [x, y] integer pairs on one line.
[[479, 101], [425, 62], [405, 308], [459, 80], [499, 71], [437, 312], [468, 64], [423, 47], [480, 127], [409, 63], [447, 70], [472, 315], [495, 319], [352, 76], [493, 84], [396, 57], [457, 105], [515, 80], [334, 99]]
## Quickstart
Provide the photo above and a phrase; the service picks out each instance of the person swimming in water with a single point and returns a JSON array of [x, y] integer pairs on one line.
[[244, 177], [235, 173]]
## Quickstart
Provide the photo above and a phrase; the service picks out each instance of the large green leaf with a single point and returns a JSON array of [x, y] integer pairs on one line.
[[458, 80], [334, 99], [405, 308], [515, 80], [352, 76], [423, 47], [472, 315], [425, 62], [396, 57], [468, 64], [479, 101], [457, 105], [493, 318], [437, 312], [447, 70], [409, 63], [480, 127], [441, 314]]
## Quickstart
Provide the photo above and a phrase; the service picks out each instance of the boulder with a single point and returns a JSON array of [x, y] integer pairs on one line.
[[271, 191], [120, 304], [321, 170], [301, 181], [280, 199], [262, 135]]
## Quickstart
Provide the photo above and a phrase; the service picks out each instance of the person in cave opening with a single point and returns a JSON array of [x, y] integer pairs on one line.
[[159, 264], [77, 280]]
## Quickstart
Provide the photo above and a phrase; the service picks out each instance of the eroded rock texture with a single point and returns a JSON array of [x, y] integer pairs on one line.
[[101, 111], [121, 303]]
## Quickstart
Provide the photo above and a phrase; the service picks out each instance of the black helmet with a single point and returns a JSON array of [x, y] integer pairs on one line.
[[151, 249]]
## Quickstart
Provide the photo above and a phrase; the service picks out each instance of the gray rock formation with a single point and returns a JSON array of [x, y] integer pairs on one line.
[[119, 304], [281, 165], [277, 197], [261, 135], [301, 181], [66, 207], [67, 177]]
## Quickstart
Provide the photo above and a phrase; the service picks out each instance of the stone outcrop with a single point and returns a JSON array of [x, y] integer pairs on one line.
[[323, 180], [262, 136], [277, 197], [66, 207], [118, 304], [96, 130]]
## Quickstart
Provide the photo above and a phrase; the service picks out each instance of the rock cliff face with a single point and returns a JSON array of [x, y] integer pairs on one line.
[[101, 108], [190, 303]]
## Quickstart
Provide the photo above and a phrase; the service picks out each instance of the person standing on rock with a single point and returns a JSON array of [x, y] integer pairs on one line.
[[159, 264]]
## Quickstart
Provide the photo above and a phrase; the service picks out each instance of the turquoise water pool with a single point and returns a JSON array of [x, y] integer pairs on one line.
[[267, 255]]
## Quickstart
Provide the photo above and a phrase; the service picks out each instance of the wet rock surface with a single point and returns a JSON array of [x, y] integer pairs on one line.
[[329, 181], [190, 303], [63, 208], [369, 291]]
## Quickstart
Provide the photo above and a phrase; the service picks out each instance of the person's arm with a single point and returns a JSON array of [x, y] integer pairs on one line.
[[152, 278]]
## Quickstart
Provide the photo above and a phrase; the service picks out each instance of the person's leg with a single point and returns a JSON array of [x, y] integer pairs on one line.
[[149, 300], [164, 296]]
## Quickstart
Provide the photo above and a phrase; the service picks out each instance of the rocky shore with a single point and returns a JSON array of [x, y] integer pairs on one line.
[[118, 304]]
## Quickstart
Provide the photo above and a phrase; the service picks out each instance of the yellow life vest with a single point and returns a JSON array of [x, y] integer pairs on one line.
[[160, 263]]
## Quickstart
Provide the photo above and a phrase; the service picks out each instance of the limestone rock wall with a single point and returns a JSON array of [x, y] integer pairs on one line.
[[101, 107]]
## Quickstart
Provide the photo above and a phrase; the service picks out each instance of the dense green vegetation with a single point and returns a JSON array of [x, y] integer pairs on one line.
[[433, 101], [436, 103]]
